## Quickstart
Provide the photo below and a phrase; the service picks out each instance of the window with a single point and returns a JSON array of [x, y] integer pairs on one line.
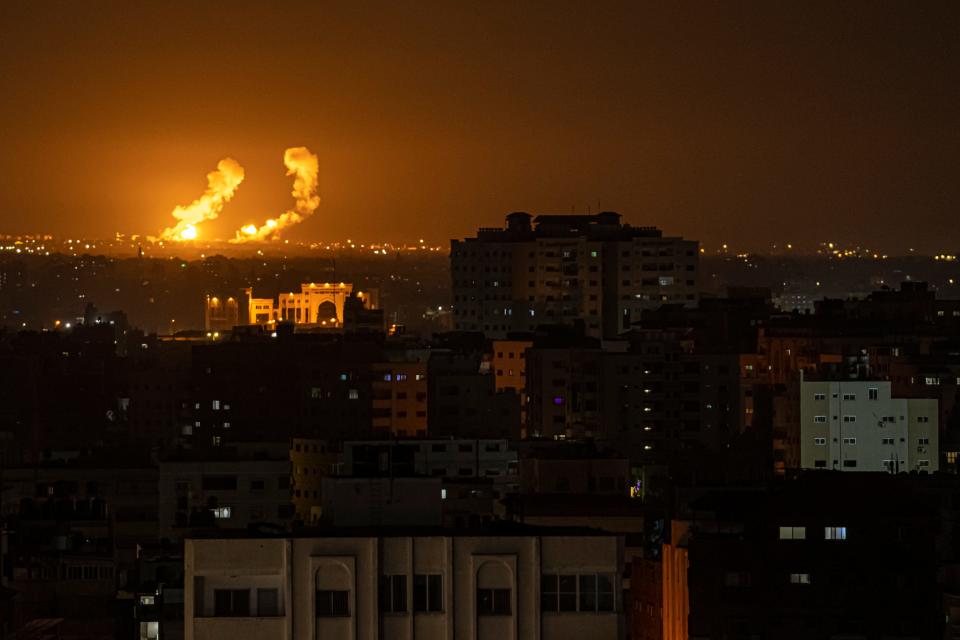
[[873, 393], [849, 418], [887, 440], [567, 592], [820, 419], [952, 457], [736, 579], [819, 396], [268, 603], [799, 578], [219, 483], [834, 533], [820, 441], [849, 396], [793, 533], [428, 593], [393, 594], [215, 405], [332, 604], [493, 602], [850, 463], [222, 513], [231, 603], [923, 419], [849, 441], [923, 463], [922, 441]]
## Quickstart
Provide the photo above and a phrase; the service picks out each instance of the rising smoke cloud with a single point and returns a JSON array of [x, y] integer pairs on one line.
[[222, 184], [300, 162]]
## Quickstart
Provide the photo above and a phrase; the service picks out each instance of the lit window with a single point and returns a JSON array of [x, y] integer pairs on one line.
[[834, 533], [354, 394], [951, 457], [222, 513], [387, 377], [793, 533], [215, 405], [799, 578]]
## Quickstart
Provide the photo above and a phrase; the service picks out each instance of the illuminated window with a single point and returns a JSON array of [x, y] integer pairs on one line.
[[951, 457], [215, 405], [834, 533], [799, 578], [354, 394], [222, 513], [793, 533]]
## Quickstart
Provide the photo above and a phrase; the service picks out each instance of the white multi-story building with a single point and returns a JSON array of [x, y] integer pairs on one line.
[[855, 425], [504, 586]]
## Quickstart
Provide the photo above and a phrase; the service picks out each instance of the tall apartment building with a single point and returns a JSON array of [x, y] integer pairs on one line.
[[856, 425], [559, 269], [400, 398], [522, 582]]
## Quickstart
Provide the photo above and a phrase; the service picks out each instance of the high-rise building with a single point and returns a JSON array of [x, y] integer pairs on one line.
[[856, 425], [560, 269]]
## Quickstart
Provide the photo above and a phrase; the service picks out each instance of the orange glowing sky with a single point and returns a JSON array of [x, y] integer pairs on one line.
[[748, 122]]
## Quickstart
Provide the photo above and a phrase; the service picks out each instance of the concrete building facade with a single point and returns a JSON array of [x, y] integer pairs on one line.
[[856, 425], [483, 587], [562, 269]]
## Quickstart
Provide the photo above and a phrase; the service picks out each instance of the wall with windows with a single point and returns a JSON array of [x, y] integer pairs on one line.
[[483, 587], [858, 426]]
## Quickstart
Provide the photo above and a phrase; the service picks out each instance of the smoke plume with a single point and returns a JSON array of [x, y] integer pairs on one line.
[[222, 184], [300, 162]]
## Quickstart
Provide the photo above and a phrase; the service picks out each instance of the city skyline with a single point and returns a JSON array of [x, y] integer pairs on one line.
[[749, 124]]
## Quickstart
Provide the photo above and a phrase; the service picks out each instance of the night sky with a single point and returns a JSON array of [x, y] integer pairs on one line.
[[744, 122]]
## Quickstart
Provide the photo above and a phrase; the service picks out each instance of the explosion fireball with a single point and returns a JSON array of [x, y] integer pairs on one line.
[[300, 162], [222, 184]]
